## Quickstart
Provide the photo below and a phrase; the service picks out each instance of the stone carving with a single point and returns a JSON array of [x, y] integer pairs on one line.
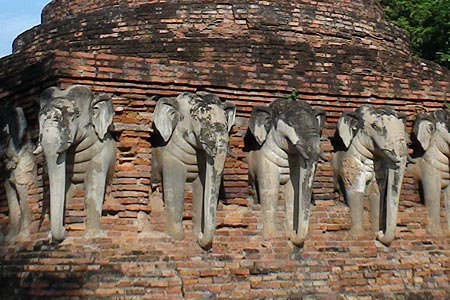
[[431, 131], [16, 154], [194, 132], [78, 149], [372, 163], [286, 152]]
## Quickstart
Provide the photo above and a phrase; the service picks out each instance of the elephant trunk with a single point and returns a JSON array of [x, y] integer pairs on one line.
[[211, 186], [389, 206], [56, 164], [302, 202]]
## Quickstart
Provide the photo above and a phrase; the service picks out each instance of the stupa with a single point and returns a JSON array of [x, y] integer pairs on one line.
[[338, 55]]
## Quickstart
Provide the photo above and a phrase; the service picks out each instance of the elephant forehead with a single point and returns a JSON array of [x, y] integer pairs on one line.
[[208, 114], [294, 111], [384, 119], [301, 117], [61, 105]]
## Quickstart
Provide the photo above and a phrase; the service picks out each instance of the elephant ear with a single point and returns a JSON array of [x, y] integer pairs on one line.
[[348, 126], [443, 116], [16, 124], [46, 96], [230, 113], [259, 123], [402, 117], [423, 130], [102, 113], [166, 117]]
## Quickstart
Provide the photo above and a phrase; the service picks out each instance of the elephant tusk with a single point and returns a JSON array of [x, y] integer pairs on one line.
[[63, 148], [301, 151], [38, 150]]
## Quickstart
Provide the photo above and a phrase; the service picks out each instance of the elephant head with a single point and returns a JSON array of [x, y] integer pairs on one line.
[[71, 121], [297, 125], [432, 132], [382, 130], [375, 137], [72, 113], [433, 129], [195, 129], [293, 128]]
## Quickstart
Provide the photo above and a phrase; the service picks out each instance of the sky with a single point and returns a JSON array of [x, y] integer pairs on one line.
[[17, 16]]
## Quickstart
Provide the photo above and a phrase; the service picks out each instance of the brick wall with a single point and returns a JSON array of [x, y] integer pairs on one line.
[[339, 55]]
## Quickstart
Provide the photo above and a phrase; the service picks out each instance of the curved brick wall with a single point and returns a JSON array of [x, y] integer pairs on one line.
[[338, 54]]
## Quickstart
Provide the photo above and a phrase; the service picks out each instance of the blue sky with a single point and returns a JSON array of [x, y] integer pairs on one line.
[[16, 16]]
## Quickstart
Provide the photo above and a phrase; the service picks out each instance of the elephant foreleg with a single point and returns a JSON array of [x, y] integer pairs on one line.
[[174, 179], [355, 200], [447, 206], [95, 193], [268, 184], [253, 183], [431, 185], [374, 200], [14, 211], [25, 214]]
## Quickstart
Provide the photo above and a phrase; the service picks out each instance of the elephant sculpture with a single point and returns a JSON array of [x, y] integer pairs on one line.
[[16, 151], [431, 170], [283, 144], [373, 162], [78, 148], [193, 144]]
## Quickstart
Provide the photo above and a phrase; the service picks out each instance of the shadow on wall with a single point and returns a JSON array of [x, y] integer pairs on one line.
[[33, 78], [19, 283]]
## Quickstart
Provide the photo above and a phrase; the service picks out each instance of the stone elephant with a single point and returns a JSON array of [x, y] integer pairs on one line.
[[287, 135], [16, 151], [372, 162], [78, 148], [194, 133], [431, 170]]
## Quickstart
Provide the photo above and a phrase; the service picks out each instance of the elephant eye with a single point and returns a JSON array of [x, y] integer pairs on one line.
[[375, 126]]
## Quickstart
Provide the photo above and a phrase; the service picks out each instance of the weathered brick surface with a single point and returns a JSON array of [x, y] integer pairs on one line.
[[338, 54]]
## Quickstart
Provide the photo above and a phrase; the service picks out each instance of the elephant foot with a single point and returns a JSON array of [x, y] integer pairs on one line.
[[434, 230], [175, 231], [95, 234], [356, 232], [11, 237], [24, 236]]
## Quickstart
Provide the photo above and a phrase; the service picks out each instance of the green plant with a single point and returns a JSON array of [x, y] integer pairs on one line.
[[293, 95]]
